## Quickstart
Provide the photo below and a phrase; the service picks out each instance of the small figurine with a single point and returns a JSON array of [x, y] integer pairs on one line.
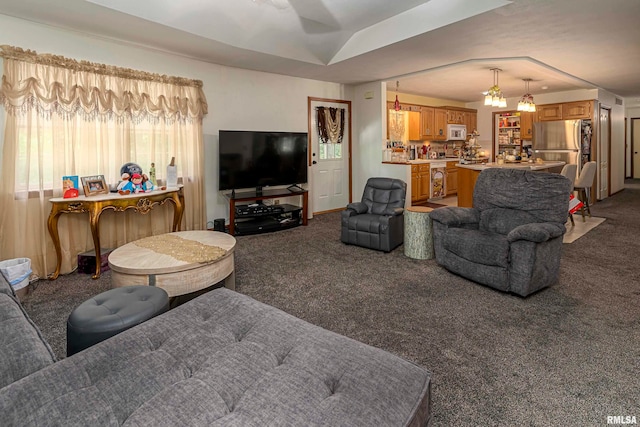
[[152, 174]]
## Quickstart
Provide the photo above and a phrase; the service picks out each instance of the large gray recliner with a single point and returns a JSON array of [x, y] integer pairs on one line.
[[511, 239], [376, 222]]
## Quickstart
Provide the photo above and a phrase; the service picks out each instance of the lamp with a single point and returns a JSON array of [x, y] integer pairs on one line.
[[494, 94], [526, 102]]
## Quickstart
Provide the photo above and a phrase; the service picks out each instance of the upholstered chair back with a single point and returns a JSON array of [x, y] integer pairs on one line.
[[507, 198], [570, 171], [383, 195]]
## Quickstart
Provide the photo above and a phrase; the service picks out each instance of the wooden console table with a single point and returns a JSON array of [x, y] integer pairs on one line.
[[94, 205]]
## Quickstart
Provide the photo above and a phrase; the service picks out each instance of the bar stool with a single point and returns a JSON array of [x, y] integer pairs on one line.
[[583, 186]]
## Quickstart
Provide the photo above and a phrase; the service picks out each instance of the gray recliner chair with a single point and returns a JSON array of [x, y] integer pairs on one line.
[[376, 222], [511, 239]]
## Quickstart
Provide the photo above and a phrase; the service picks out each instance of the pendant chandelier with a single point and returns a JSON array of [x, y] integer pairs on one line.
[[526, 102], [396, 119], [396, 105], [494, 94]]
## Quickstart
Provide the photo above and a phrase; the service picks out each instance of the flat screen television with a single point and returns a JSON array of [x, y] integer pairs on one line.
[[261, 159]]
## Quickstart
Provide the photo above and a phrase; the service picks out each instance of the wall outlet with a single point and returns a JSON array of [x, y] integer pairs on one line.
[[276, 202]]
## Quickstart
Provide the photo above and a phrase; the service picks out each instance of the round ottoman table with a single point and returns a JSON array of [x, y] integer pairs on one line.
[[112, 312], [418, 233]]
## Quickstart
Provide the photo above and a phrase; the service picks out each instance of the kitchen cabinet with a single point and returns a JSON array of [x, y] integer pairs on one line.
[[415, 119], [420, 182], [427, 118], [440, 124], [565, 111], [577, 110], [455, 117], [549, 112], [452, 178], [526, 125], [471, 122]]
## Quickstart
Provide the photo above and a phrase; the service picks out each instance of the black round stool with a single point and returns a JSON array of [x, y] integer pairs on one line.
[[112, 312]]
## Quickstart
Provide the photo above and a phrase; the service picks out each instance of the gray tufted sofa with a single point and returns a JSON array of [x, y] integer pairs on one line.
[[221, 359]]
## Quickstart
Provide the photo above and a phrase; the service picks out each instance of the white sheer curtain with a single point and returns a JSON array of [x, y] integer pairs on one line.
[[68, 117]]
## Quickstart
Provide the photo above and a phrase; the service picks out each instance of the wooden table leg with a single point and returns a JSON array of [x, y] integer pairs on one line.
[[52, 224], [94, 222], [232, 216], [178, 201], [305, 208]]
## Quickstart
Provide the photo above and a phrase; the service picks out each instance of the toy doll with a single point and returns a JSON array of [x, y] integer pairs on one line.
[[136, 180], [148, 185], [134, 185], [124, 179], [123, 183]]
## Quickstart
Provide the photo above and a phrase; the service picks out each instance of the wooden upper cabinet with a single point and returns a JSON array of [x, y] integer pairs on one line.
[[549, 112], [456, 117], [415, 126], [471, 120], [440, 124], [427, 127], [577, 110], [565, 111], [526, 125]]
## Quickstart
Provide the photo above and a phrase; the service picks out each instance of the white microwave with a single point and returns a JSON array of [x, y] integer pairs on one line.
[[456, 132]]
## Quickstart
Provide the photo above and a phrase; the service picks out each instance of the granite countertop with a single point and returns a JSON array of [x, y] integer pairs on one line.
[[423, 161], [515, 165]]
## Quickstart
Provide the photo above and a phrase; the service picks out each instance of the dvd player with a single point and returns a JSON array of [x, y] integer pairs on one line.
[[248, 210]]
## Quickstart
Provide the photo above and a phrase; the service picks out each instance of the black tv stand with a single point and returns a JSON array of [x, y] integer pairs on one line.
[[295, 188], [264, 222]]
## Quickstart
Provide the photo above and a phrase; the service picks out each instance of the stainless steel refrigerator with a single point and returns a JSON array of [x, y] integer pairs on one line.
[[565, 140]]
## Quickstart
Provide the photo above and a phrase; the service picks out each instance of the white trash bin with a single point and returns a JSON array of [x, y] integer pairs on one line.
[[17, 272]]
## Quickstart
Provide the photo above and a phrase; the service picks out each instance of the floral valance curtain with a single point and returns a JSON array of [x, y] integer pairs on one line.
[[68, 117], [55, 84], [330, 124]]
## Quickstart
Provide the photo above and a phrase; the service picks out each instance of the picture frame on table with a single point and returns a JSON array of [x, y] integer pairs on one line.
[[94, 185]]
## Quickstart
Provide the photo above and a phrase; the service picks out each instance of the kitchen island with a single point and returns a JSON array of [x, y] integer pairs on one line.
[[430, 179], [468, 174]]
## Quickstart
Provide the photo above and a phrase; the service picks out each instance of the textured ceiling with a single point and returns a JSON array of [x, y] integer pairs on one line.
[[437, 48]]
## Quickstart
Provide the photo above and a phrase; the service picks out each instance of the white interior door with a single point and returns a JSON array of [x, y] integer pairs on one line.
[[330, 163]]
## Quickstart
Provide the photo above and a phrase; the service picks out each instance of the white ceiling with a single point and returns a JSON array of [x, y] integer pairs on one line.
[[437, 48]]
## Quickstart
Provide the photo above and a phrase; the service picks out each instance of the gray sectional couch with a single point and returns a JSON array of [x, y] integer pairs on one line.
[[221, 359]]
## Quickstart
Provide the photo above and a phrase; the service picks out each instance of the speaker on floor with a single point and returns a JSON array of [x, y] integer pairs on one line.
[[218, 224]]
